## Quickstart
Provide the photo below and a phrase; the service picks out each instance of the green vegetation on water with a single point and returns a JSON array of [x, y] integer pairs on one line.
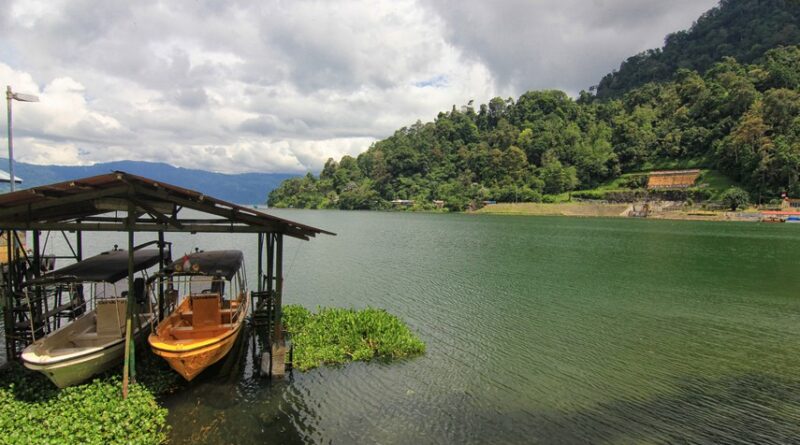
[[33, 410], [336, 335], [738, 117]]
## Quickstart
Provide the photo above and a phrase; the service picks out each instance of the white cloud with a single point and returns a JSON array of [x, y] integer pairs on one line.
[[282, 86]]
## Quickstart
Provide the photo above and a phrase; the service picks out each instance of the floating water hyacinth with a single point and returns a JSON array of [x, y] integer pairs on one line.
[[32, 410], [337, 335]]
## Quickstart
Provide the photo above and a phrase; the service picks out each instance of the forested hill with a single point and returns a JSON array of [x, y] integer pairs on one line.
[[742, 119], [742, 29]]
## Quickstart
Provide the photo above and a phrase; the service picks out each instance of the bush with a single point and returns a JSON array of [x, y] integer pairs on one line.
[[634, 182], [735, 197]]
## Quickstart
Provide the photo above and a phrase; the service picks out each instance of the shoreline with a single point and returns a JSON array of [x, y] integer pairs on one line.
[[602, 210]]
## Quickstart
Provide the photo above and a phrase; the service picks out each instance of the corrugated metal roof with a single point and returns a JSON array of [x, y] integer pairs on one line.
[[81, 203]]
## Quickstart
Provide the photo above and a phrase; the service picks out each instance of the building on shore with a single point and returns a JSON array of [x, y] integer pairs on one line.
[[673, 179], [790, 204]]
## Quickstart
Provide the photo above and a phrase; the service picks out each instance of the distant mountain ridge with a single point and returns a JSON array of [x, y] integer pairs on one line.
[[245, 188]]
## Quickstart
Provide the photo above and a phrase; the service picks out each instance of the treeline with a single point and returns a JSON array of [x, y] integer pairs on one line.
[[742, 29], [741, 119]]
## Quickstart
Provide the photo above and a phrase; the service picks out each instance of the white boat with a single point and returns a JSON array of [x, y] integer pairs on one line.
[[95, 341]]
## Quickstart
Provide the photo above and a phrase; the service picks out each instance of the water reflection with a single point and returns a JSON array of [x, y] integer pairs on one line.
[[231, 403]]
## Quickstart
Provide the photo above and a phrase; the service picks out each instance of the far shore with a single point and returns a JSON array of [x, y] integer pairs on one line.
[[592, 209]]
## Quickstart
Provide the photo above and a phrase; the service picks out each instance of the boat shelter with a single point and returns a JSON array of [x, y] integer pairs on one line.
[[122, 202]]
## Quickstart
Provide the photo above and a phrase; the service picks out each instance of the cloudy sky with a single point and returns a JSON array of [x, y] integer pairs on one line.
[[280, 86]]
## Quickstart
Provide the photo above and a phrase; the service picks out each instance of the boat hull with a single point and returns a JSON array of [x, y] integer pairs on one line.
[[81, 368], [191, 359], [73, 367]]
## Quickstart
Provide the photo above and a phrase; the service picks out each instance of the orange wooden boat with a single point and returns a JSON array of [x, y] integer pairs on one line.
[[206, 322]]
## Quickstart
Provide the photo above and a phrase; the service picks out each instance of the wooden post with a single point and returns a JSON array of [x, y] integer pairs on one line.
[[79, 247], [278, 356], [37, 258], [278, 286], [161, 265], [270, 262], [8, 315], [37, 272], [128, 369], [260, 262]]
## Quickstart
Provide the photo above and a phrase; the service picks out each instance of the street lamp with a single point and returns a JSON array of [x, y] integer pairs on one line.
[[22, 98]]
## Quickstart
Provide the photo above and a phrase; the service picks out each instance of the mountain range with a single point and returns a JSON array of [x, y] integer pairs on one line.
[[245, 188]]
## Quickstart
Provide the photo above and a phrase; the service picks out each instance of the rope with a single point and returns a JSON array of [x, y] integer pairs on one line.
[[116, 308], [149, 296], [291, 265], [46, 239], [30, 314]]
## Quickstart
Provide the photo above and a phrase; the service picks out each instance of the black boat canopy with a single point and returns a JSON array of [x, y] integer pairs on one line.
[[222, 263], [110, 267]]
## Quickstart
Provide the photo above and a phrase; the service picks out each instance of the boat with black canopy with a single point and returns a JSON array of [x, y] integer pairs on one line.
[[207, 319], [95, 341]]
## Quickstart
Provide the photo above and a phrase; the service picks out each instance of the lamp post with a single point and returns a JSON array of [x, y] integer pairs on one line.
[[12, 237], [11, 96]]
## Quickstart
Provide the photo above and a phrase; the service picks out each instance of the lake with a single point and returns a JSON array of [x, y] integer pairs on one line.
[[538, 330]]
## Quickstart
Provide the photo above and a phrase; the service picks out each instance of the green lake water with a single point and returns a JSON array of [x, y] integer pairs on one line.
[[538, 329]]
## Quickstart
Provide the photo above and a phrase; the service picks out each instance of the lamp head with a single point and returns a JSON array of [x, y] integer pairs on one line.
[[25, 97]]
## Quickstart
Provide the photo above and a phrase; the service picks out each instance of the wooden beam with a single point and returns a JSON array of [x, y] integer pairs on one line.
[[210, 208], [157, 215], [138, 227], [121, 204], [27, 210]]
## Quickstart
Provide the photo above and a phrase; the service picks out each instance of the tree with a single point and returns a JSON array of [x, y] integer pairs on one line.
[[557, 178], [735, 197], [742, 119]]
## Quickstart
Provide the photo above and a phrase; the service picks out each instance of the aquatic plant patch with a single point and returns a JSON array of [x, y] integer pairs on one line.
[[154, 373], [336, 335], [32, 410]]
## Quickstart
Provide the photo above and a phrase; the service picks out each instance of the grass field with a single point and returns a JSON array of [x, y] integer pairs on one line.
[[558, 209]]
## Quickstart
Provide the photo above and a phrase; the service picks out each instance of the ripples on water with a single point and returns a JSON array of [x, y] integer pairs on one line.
[[539, 330]]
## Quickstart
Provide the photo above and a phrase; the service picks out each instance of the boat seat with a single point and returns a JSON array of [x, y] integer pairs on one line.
[[92, 339], [187, 315], [205, 309], [201, 329], [190, 332], [110, 316]]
